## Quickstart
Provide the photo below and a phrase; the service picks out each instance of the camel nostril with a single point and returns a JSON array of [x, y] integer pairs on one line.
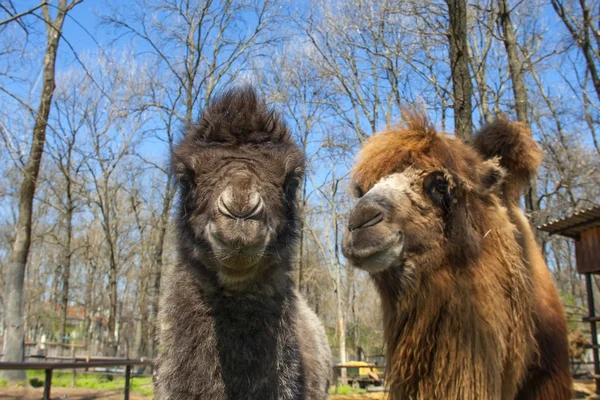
[[365, 224], [364, 215], [240, 210], [258, 206]]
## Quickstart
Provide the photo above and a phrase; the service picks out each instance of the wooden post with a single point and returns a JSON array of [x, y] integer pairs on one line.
[[127, 379], [592, 319], [47, 384]]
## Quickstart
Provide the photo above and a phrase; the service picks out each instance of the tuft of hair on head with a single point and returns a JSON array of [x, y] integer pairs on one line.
[[239, 116], [416, 121], [512, 144], [399, 145]]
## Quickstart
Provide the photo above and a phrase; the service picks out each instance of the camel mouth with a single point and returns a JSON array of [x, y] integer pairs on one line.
[[238, 246], [373, 252], [240, 267], [238, 262]]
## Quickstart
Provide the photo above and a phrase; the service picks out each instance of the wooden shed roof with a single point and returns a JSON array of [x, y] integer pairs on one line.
[[572, 225]]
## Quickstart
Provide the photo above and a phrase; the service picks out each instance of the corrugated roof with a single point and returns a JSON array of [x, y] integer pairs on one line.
[[572, 225]]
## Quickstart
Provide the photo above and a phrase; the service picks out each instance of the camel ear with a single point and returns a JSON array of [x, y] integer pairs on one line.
[[492, 174]]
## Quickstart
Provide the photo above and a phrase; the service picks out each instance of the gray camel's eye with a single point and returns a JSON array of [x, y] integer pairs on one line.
[[291, 184], [185, 181]]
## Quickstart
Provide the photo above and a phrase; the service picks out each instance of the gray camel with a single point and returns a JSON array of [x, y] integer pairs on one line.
[[231, 324]]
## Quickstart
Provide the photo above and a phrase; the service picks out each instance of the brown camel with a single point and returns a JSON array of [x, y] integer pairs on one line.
[[470, 309], [232, 326]]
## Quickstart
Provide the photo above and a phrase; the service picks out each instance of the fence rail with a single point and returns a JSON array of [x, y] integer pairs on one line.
[[48, 367]]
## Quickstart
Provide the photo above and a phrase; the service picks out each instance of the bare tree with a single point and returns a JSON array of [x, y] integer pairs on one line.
[[363, 49], [480, 47], [63, 148], [113, 130], [14, 317], [580, 20], [515, 67], [580, 23], [15, 16]]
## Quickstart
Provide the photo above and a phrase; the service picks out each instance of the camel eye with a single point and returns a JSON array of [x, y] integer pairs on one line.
[[186, 181], [183, 175], [357, 191], [441, 187], [291, 184], [437, 187]]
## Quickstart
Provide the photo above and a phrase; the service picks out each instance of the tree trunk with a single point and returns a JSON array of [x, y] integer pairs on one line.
[[462, 85], [55, 295], [66, 267], [341, 322], [520, 93], [113, 274], [144, 277], [479, 73], [158, 261], [112, 316], [341, 325], [514, 64], [141, 319], [88, 303], [14, 341]]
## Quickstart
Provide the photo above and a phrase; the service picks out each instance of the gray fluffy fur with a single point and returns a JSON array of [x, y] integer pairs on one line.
[[253, 341]]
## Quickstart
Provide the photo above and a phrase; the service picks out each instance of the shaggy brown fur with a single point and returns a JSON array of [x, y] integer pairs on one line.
[[232, 327], [470, 310]]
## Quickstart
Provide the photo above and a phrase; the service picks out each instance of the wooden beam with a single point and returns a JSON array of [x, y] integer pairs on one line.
[[592, 314], [70, 365]]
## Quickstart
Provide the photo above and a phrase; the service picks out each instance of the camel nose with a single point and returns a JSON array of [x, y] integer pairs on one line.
[[240, 204], [365, 214]]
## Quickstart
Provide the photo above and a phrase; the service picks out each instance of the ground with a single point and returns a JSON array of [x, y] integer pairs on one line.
[[65, 393], [91, 394]]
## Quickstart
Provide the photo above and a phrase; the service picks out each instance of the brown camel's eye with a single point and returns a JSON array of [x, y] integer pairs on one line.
[[357, 190], [437, 187]]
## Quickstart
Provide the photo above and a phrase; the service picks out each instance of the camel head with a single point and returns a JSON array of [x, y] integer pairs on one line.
[[238, 172], [419, 195]]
